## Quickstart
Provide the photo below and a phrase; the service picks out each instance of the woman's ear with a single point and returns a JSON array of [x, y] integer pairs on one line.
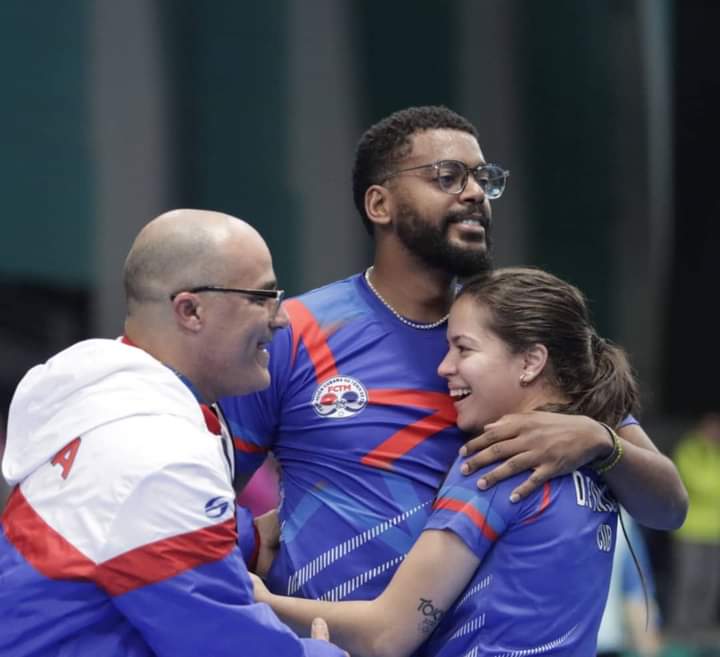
[[534, 361]]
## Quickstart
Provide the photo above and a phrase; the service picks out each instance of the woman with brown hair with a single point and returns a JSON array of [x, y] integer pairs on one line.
[[488, 575]]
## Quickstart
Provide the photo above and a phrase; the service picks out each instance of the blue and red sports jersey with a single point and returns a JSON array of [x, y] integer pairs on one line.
[[364, 431], [545, 566]]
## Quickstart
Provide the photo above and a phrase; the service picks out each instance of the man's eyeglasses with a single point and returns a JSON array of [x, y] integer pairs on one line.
[[276, 296], [452, 176]]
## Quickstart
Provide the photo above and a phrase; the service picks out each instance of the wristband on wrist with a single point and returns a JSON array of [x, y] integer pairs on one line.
[[608, 463]]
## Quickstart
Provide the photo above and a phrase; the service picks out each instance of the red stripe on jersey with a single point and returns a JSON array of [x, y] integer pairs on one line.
[[248, 447], [166, 558], [41, 546], [305, 327], [438, 401], [471, 512], [409, 437], [56, 558], [211, 420], [544, 504]]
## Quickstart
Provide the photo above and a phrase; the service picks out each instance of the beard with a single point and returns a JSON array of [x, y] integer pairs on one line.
[[430, 242]]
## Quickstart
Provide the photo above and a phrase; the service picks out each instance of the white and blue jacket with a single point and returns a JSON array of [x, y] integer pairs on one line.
[[120, 535]]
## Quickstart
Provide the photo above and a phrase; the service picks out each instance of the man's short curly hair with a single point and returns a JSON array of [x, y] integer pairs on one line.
[[388, 141]]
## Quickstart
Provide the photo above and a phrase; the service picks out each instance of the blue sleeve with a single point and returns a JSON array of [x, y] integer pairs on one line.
[[478, 517], [247, 536], [630, 419], [209, 610], [253, 419]]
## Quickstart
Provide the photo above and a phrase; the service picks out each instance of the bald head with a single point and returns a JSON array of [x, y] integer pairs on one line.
[[183, 249], [214, 338]]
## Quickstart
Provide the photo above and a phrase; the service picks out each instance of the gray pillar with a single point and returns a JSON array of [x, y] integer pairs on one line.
[[129, 111], [490, 93], [643, 172], [323, 130]]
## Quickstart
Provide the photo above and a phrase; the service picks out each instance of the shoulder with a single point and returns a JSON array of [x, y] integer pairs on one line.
[[131, 482], [341, 300]]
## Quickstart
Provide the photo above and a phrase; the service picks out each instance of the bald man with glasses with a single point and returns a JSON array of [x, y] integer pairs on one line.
[[121, 534]]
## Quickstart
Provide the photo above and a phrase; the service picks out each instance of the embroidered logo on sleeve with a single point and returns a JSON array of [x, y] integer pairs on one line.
[[216, 507]]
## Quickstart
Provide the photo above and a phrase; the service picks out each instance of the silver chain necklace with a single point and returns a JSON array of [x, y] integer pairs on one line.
[[404, 320]]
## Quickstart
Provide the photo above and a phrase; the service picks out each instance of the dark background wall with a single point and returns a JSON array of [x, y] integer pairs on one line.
[[603, 111]]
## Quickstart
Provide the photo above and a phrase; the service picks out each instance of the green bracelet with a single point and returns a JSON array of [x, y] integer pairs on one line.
[[614, 457]]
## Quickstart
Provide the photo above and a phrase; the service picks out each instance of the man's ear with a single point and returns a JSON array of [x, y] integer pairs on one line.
[[188, 311], [378, 205], [534, 361]]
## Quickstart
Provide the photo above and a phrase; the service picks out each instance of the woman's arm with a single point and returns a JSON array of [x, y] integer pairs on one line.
[[405, 614]]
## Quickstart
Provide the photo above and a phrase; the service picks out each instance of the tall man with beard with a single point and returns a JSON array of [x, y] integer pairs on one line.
[[356, 414]]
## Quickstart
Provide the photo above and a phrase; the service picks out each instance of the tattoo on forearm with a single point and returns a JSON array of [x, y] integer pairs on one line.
[[431, 615]]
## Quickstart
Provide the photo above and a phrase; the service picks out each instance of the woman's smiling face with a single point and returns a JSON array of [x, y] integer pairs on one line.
[[483, 375]]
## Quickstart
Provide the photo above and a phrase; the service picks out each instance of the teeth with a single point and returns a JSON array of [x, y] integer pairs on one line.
[[470, 222], [460, 392]]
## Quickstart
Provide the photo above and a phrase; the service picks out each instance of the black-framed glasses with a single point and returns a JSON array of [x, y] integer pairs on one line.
[[452, 176], [275, 295]]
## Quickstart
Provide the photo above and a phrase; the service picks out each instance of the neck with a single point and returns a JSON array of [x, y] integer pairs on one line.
[[412, 289], [162, 346], [539, 394]]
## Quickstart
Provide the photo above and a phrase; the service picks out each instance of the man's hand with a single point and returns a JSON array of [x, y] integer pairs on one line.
[[260, 591], [549, 444], [268, 527], [319, 630]]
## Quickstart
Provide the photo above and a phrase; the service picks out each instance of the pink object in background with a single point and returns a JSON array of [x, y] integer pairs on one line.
[[261, 493]]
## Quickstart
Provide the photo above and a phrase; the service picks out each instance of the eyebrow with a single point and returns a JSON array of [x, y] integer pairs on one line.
[[461, 336]]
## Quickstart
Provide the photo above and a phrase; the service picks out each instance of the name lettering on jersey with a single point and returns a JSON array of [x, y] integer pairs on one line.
[[339, 397], [592, 496], [604, 537], [66, 457]]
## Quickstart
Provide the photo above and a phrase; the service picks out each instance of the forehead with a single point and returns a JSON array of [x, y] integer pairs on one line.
[[468, 318], [432, 145], [249, 262]]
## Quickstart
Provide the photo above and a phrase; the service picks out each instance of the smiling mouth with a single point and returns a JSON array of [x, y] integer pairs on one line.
[[458, 394], [471, 222], [470, 228]]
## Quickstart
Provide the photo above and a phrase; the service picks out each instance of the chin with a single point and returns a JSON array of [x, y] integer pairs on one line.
[[259, 380], [263, 381], [467, 425], [473, 426]]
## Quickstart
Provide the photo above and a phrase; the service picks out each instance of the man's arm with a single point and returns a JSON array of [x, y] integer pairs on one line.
[[644, 481], [187, 592]]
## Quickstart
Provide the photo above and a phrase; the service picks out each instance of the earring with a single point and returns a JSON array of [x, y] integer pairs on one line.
[[523, 380]]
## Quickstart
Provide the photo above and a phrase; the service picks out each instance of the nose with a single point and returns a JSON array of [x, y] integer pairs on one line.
[[280, 319], [447, 366], [473, 192]]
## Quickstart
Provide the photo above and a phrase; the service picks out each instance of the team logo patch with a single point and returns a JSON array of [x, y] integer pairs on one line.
[[340, 397], [216, 507]]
